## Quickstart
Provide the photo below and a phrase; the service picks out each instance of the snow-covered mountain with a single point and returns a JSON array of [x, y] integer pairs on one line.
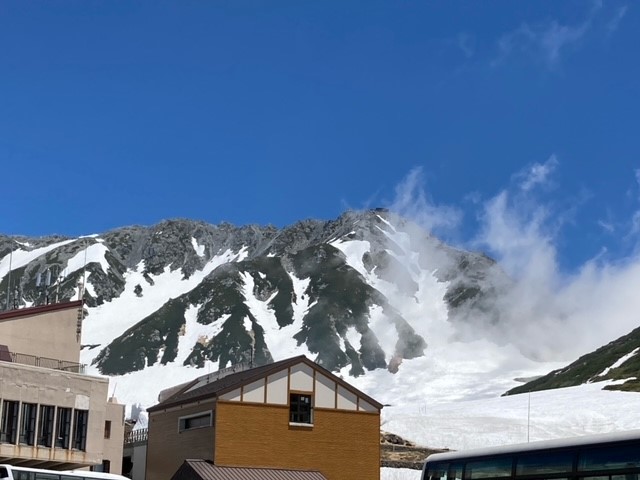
[[369, 295]]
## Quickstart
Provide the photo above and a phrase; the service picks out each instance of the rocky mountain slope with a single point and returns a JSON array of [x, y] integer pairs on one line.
[[617, 361], [190, 292]]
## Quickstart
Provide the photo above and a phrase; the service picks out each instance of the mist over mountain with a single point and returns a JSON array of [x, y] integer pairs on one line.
[[370, 291]]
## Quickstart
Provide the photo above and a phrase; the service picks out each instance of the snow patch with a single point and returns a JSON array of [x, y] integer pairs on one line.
[[199, 249], [19, 257], [619, 362]]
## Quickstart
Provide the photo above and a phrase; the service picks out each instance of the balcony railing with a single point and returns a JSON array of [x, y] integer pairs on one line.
[[44, 362], [136, 436]]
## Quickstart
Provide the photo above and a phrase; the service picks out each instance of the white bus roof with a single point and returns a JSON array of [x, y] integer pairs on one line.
[[539, 445]]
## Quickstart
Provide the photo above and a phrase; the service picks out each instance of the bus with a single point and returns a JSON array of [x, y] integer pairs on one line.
[[9, 472], [614, 456]]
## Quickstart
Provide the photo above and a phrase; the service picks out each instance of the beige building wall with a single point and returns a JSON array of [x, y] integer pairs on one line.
[[49, 331], [167, 447], [42, 386], [114, 435]]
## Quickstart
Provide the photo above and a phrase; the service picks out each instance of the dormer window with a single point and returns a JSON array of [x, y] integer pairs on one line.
[[300, 408]]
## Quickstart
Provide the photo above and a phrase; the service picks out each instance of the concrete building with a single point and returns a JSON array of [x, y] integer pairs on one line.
[[52, 415], [291, 414]]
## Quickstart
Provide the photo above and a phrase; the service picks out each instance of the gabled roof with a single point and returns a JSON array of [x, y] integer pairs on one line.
[[206, 470], [190, 393]]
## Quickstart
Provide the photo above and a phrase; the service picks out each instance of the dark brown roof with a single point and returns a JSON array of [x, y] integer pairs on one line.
[[30, 311], [206, 470], [235, 380]]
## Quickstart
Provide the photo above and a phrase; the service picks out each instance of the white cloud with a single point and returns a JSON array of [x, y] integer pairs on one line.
[[548, 312], [548, 41], [412, 202], [537, 174]]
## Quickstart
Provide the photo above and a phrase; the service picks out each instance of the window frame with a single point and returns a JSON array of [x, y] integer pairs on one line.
[[28, 424], [184, 421], [299, 413], [80, 430], [63, 427], [46, 426], [9, 422]]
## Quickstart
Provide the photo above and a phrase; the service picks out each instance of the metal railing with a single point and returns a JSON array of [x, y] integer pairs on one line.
[[44, 362], [136, 436]]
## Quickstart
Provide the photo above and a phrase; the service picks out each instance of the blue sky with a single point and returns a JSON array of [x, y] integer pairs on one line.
[[119, 113]]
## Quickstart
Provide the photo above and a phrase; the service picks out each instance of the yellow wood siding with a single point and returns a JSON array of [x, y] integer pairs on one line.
[[343, 445]]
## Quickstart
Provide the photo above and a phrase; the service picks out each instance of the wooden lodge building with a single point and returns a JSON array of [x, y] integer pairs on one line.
[[291, 415]]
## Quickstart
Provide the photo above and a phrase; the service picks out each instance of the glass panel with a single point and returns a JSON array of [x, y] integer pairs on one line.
[[45, 428], [489, 468], [9, 426], [63, 428], [300, 408], [438, 471], [455, 471], [545, 463], [28, 423], [80, 425], [47, 476], [610, 458]]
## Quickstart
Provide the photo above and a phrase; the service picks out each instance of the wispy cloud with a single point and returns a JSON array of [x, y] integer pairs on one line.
[[635, 221], [537, 174], [549, 41], [412, 201], [614, 23], [466, 43], [547, 312]]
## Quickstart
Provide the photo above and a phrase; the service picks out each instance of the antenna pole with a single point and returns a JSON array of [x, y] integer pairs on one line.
[[84, 271], [9, 279], [528, 415]]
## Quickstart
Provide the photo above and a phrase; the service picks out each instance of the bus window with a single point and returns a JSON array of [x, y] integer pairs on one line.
[[488, 468], [20, 475], [437, 471], [455, 471], [609, 458], [545, 463], [4, 474], [47, 476]]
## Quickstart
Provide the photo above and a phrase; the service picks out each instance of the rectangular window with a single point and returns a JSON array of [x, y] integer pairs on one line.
[[609, 458], [80, 424], [545, 463], [45, 426], [300, 409], [63, 428], [28, 423], [9, 428], [489, 468], [199, 420], [437, 471], [107, 429]]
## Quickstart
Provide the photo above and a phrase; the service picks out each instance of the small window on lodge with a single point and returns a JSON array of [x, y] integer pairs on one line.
[[200, 420], [107, 429], [300, 410]]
